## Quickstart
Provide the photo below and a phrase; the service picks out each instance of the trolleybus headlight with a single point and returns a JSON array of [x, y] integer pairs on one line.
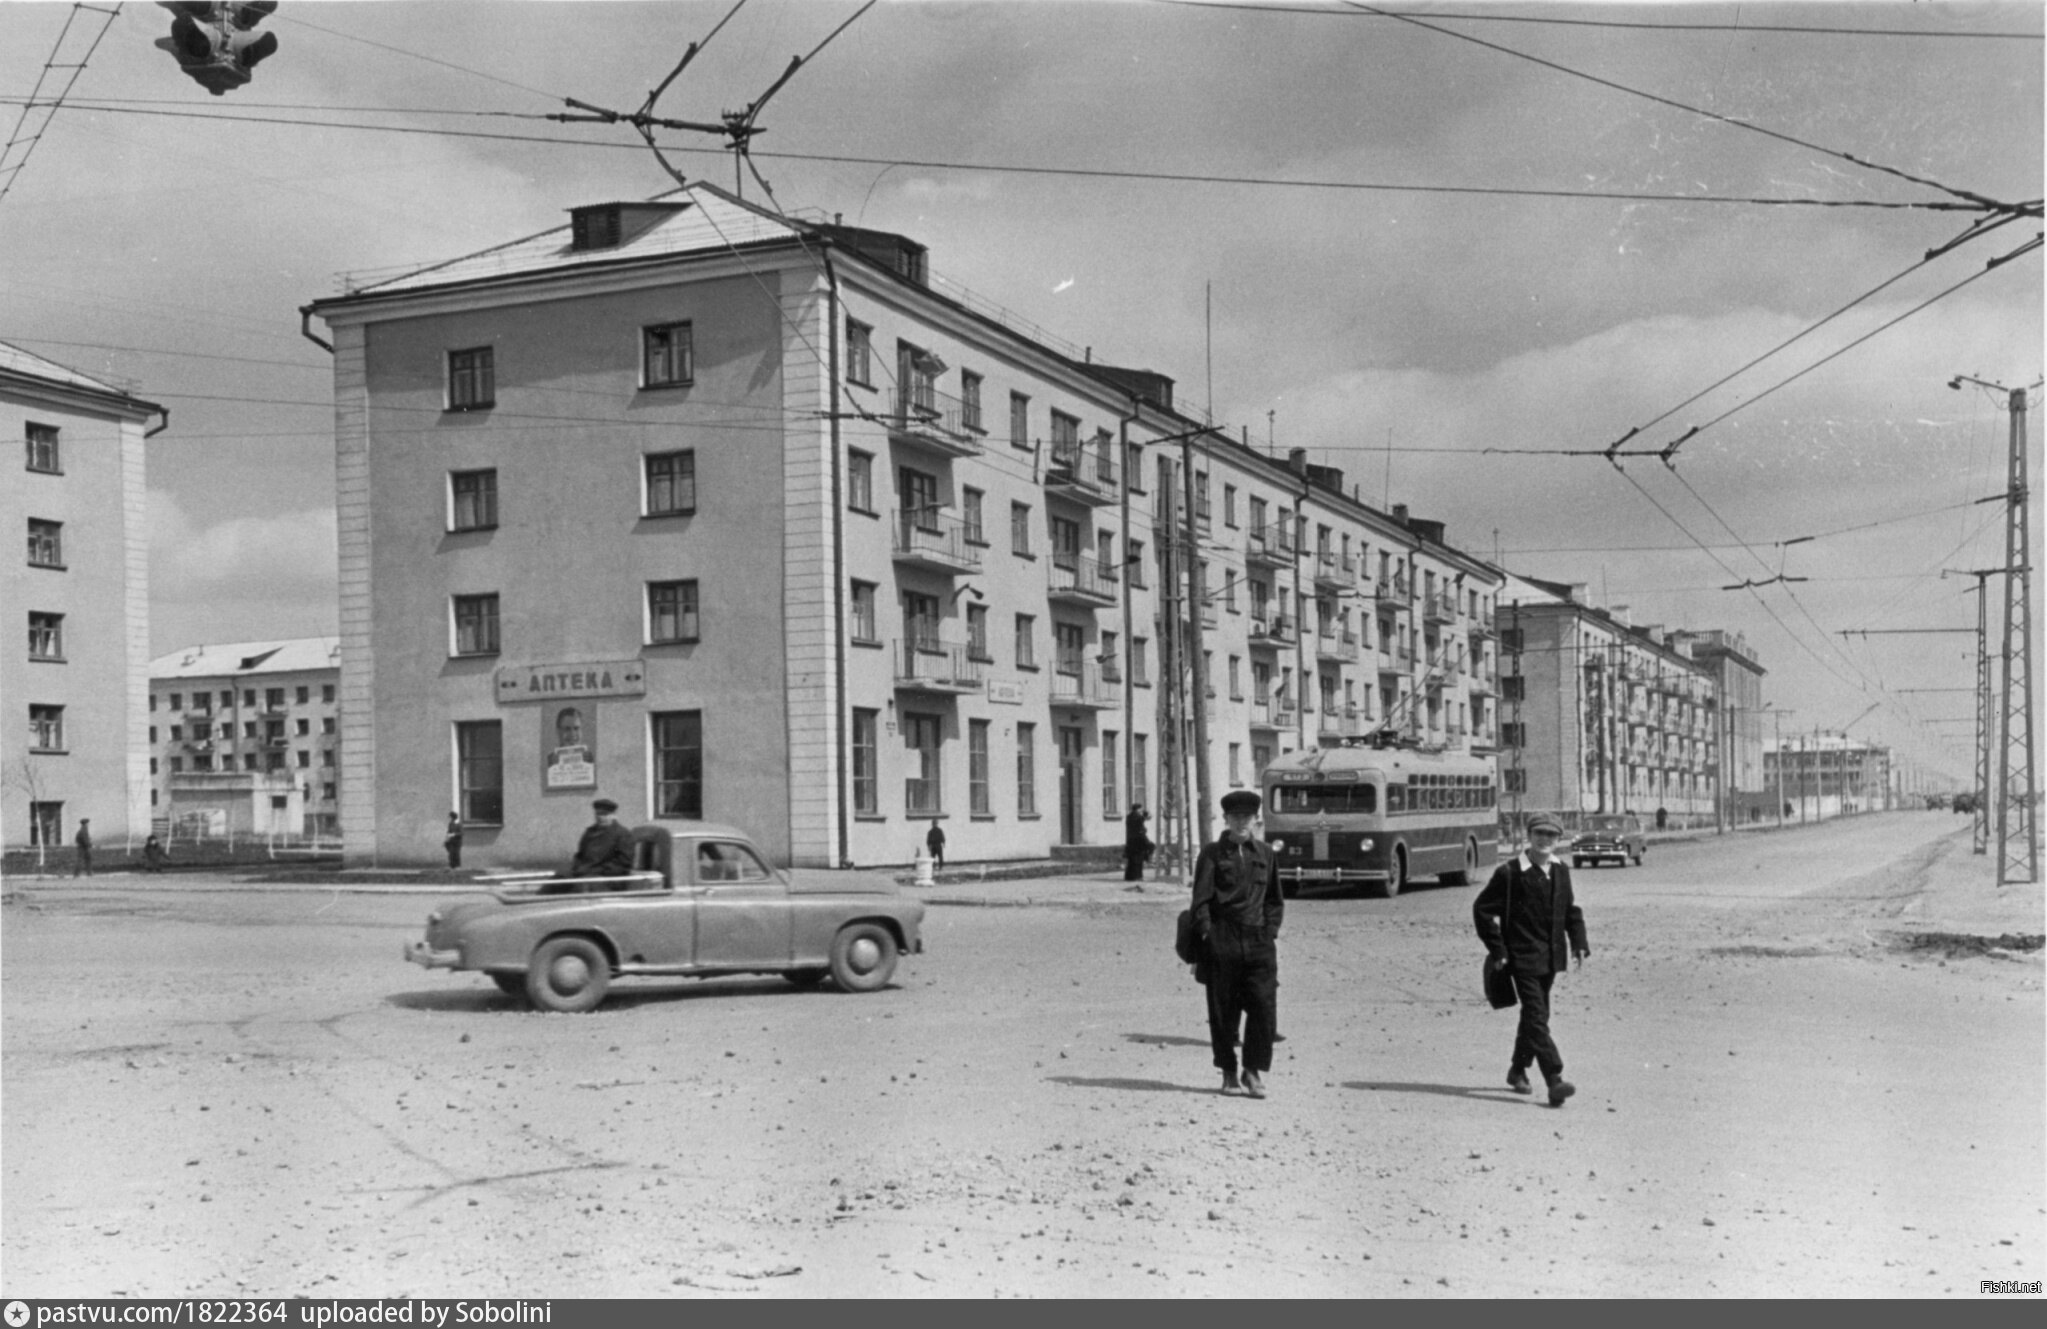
[[1365, 845], [1278, 845]]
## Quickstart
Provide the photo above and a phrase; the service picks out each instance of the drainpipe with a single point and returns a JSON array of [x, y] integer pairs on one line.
[[838, 559], [306, 329], [162, 425]]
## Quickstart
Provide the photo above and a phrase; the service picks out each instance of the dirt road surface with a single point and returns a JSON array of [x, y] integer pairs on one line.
[[233, 1091]]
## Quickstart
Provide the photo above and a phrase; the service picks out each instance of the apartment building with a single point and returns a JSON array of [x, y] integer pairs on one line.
[[1738, 679], [76, 680], [1813, 776], [735, 516], [244, 738], [1599, 714]]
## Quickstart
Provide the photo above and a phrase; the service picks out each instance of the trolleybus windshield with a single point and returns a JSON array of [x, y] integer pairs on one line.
[[1325, 798]]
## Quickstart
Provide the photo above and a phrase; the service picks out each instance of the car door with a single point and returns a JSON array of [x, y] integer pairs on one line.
[[742, 907]]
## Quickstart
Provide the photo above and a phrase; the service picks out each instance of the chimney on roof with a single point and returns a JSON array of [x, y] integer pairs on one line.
[[1579, 591], [1400, 513], [1297, 461]]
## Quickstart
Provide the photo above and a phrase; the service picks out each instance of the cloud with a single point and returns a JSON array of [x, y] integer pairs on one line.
[[241, 578]]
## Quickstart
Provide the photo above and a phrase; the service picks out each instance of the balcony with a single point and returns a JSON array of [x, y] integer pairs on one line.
[[927, 418], [1269, 547], [1330, 571], [1272, 713], [1082, 474], [1481, 624], [1076, 579], [1085, 689], [1438, 608], [1330, 646], [1272, 633], [925, 539], [925, 664]]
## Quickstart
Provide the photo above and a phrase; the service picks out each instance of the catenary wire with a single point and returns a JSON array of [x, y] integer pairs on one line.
[[1745, 29]]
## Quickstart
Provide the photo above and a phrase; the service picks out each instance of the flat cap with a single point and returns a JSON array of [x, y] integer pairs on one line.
[[1544, 822], [604, 805], [1240, 800]]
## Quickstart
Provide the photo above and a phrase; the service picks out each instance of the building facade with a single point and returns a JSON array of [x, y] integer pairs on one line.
[[1819, 775], [1598, 715], [727, 515], [1738, 679], [76, 679], [244, 739]]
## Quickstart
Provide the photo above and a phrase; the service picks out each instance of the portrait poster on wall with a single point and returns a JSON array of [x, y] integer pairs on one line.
[[568, 746]]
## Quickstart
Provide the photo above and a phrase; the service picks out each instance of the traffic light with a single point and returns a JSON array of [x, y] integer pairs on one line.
[[214, 43]]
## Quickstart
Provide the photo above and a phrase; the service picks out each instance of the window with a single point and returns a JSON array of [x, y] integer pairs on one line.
[[970, 516], [177, 733], [919, 493], [1068, 642], [45, 823], [1065, 542], [1258, 517], [864, 629], [1236, 767], [977, 769], [480, 771], [1261, 757], [305, 695], [152, 760], [305, 726], [42, 449], [920, 621], [473, 500], [671, 483], [1133, 467], [476, 626], [152, 737], [1230, 505], [859, 353], [1133, 560], [924, 792], [679, 764], [1513, 781], [669, 356], [249, 726], [1026, 770], [152, 701], [1065, 436], [227, 699], [326, 692], [1138, 744], [45, 543], [1019, 421], [327, 756], [327, 792], [977, 633], [1510, 641], [1514, 687], [1109, 802], [671, 611], [916, 384], [1236, 680], [866, 796], [1020, 529], [305, 758], [1139, 670], [1112, 666], [472, 379], [970, 401], [859, 481], [201, 731], [46, 638], [1026, 647], [1513, 734], [46, 728]]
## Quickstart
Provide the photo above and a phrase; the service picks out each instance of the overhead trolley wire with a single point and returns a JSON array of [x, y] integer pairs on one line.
[[1746, 29], [30, 103]]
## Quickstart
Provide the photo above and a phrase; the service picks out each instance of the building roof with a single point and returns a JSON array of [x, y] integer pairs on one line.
[[15, 362], [218, 660]]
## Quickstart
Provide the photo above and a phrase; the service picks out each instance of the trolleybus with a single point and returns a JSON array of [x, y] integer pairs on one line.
[[1380, 816]]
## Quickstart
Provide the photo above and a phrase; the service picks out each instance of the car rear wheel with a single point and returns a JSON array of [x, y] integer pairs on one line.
[[805, 978], [863, 957], [568, 974]]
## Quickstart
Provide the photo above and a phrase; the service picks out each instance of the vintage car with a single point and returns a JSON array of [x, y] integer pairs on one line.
[[1619, 838], [703, 901]]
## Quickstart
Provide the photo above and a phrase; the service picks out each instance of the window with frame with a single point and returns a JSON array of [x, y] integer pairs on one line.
[[1510, 641], [978, 803], [303, 726], [1230, 506], [668, 355], [1140, 674], [918, 491], [864, 629], [920, 621], [472, 379], [924, 792], [977, 633], [678, 741], [273, 699], [45, 824], [1236, 679], [1065, 435], [305, 695], [1110, 803], [1139, 745], [326, 692], [672, 612], [970, 516], [866, 777], [1236, 759], [1261, 757], [46, 638], [1020, 529], [1514, 687], [671, 483], [859, 481], [970, 401], [476, 626], [1112, 663], [1019, 421], [327, 792], [45, 543], [45, 728], [916, 383], [1133, 467], [305, 758], [473, 500], [1068, 645], [480, 771], [859, 353], [201, 730], [43, 453], [1133, 561], [1514, 734], [177, 733], [1026, 769], [1026, 645], [1513, 781]]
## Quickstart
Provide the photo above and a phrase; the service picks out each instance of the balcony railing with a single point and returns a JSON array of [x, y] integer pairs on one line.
[[1265, 546], [1481, 624], [1083, 473], [927, 539], [1086, 690], [1278, 630], [1273, 713], [1078, 579], [925, 664], [923, 798], [1438, 608], [927, 416], [1328, 570]]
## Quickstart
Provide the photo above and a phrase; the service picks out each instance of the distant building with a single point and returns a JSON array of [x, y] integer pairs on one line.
[[1817, 776], [75, 682], [244, 738], [1743, 717], [1599, 715]]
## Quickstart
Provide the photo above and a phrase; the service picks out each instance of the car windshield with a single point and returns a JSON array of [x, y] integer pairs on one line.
[[1607, 824]]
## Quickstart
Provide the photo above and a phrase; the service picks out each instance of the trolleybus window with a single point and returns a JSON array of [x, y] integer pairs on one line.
[[1325, 798]]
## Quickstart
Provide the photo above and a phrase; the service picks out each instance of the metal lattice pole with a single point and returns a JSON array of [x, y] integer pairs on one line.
[[2018, 844], [1979, 814]]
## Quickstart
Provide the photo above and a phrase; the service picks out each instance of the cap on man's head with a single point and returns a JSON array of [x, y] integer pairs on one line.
[[1240, 802], [604, 805], [1547, 825]]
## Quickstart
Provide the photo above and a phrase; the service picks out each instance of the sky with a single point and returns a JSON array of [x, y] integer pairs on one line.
[[1441, 253]]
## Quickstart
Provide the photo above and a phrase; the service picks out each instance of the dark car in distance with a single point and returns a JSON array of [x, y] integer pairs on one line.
[[1615, 836]]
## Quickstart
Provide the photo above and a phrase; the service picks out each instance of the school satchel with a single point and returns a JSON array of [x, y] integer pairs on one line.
[[1499, 986], [1187, 941]]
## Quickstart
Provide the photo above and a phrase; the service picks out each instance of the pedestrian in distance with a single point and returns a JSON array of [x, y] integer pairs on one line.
[[1526, 917], [1662, 818], [1237, 912], [452, 842], [934, 840], [1137, 845], [152, 854], [606, 849], [82, 865]]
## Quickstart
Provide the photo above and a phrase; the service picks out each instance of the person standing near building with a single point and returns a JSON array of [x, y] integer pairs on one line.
[[1526, 917], [1137, 844], [453, 841], [934, 840], [83, 866], [606, 849], [152, 853], [1237, 910]]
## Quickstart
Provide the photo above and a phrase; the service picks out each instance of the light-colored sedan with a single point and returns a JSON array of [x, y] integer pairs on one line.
[[702, 901]]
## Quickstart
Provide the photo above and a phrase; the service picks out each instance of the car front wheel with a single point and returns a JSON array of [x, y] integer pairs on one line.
[[863, 957], [568, 974]]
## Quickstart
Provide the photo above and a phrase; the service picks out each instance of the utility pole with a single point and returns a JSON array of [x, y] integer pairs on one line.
[[1172, 761], [1198, 665]]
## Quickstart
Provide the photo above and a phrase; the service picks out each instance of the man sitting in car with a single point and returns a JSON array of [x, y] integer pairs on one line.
[[606, 849]]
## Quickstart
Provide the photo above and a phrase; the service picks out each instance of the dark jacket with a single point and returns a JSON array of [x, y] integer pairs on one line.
[[934, 839], [1545, 924], [606, 850], [1238, 882], [1136, 843]]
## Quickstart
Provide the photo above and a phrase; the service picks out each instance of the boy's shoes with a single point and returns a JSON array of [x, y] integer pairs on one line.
[[1230, 1085], [1517, 1080], [1559, 1090], [1254, 1084]]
